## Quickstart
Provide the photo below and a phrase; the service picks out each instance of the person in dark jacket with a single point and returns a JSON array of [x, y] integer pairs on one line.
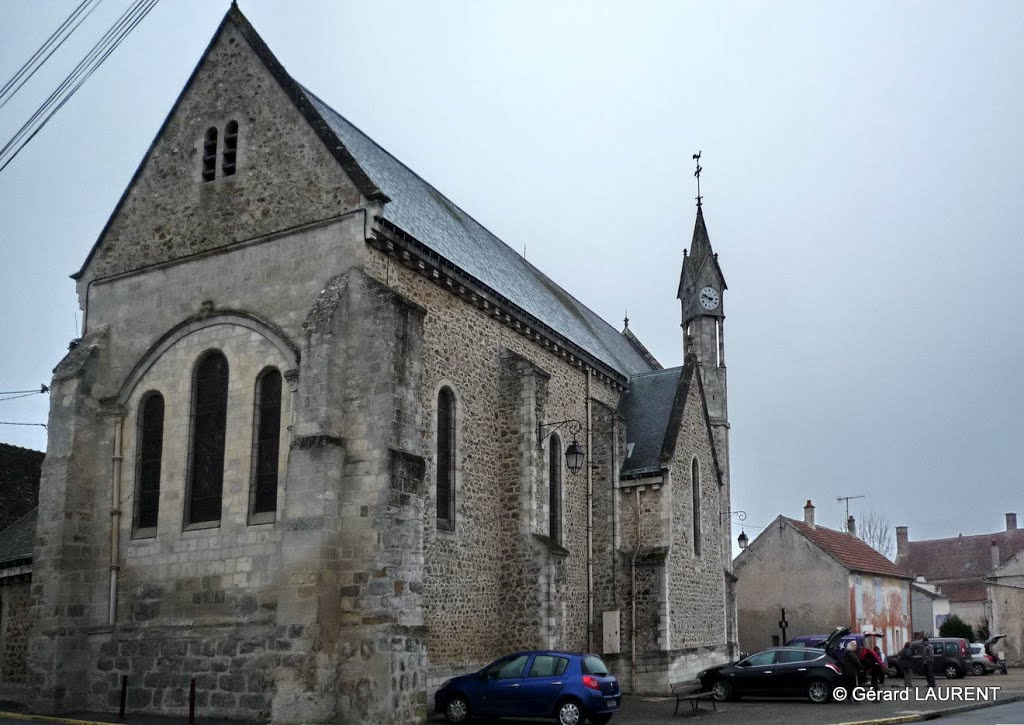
[[906, 658], [928, 661], [851, 669]]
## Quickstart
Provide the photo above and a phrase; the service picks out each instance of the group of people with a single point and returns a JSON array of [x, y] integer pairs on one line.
[[861, 663]]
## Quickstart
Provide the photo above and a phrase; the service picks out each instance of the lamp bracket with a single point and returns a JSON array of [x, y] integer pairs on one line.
[[741, 516], [571, 424]]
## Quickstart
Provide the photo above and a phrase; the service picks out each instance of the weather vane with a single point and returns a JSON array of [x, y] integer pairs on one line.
[[696, 157]]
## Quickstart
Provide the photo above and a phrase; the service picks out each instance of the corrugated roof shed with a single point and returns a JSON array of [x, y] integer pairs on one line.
[[19, 482], [848, 550]]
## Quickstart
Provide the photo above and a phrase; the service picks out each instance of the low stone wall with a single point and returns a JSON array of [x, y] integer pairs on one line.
[[233, 667], [656, 671]]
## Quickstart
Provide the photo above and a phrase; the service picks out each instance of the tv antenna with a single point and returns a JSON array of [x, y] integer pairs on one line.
[[847, 499]]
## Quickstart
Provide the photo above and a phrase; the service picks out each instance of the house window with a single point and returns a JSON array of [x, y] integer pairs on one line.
[[209, 426], [150, 450], [230, 148], [555, 489], [266, 444], [210, 154], [695, 486], [446, 459]]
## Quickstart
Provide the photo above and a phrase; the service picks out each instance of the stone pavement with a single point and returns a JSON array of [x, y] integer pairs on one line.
[[658, 710]]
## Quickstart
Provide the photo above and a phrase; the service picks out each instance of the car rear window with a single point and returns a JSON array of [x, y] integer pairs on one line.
[[548, 666], [594, 665]]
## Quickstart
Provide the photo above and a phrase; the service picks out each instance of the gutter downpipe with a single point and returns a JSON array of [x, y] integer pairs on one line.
[[590, 519], [632, 598], [115, 520]]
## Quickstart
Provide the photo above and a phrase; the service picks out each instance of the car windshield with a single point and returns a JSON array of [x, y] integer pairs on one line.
[[594, 665]]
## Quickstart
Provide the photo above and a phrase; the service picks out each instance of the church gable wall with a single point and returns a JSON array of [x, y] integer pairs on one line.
[[284, 177]]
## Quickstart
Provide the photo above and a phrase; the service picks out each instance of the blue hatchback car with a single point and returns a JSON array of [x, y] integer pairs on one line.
[[569, 687]]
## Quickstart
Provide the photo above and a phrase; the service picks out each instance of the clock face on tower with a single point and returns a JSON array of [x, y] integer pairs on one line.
[[709, 298]]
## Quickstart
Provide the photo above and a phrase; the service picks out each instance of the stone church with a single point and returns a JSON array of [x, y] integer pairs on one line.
[[326, 441]]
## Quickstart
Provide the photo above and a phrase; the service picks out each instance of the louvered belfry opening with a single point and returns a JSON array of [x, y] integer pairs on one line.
[[230, 148], [209, 427], [210, 154]]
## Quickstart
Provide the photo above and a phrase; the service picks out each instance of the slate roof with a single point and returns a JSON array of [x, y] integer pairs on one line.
[[17, 540], [421, 211], [848, 550], [959, 563], [19, 482], [647, 408]]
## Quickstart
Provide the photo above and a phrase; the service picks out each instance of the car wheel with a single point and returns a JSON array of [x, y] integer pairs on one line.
[[457, 710], [601, 719], [721, 691], [952, 672], [978, 669], [569, 713], [817, 692]]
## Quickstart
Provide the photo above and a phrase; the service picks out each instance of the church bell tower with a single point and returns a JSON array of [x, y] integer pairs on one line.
[[702, 299]]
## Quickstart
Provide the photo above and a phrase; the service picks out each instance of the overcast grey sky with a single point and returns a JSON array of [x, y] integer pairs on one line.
[[862, 183]]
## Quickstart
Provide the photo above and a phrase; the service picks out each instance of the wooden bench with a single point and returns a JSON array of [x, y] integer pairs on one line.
[[691, 692]]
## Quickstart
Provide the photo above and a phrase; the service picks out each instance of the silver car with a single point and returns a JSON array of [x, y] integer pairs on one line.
[[981, 663]]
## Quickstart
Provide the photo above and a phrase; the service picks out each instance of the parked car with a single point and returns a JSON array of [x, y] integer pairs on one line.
[[981, 663], [568, 687], [951, 657], [780, 671]]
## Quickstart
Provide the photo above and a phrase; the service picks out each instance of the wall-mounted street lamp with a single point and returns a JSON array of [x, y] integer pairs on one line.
[[575, 454], [742, 539]]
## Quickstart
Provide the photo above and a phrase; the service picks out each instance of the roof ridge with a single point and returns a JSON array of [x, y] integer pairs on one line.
[[656, 372], [21, 448]]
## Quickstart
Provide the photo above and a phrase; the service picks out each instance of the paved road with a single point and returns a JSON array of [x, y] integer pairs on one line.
[[1012, 714]]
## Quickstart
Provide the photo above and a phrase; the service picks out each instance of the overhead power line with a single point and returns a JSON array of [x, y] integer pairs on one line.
[[95, 58], [52, 44], [42, 389]]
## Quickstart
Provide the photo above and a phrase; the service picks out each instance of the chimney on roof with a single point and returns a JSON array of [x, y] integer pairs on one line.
[[1011, 522], [809, 513], [995, 554], [901, 541], [851, 525]]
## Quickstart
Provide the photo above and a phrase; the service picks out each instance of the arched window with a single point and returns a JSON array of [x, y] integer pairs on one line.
[[148, 456], [555, 488], [695, 486], [445, 459], [210, 154], [230, 147], [266, 443], [209, 424]]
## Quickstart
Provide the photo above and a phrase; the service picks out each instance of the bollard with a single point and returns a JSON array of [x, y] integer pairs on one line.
[[192, 702], [124, 696]]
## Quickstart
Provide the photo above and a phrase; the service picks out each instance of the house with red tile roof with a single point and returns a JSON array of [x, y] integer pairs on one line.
[[959, 565], [823, 579]]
